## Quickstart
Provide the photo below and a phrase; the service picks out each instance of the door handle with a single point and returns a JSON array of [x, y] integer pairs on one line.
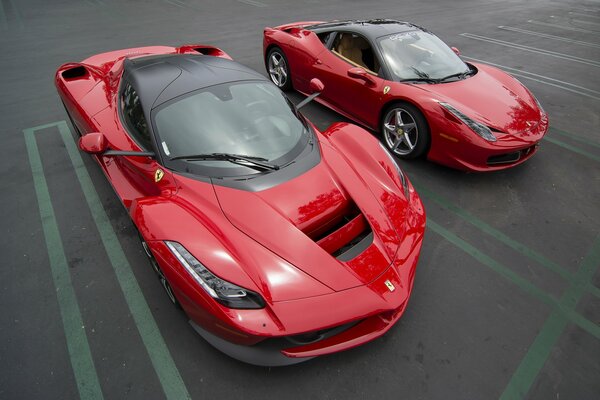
[[318, 62]]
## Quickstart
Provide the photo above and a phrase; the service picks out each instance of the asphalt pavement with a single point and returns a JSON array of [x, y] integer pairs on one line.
[[506, 302]]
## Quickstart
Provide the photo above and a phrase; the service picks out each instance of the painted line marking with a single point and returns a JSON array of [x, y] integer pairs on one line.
[[583, 15], [548, 36], [539, 352], [574, 137], [532, 49], [515, 278], [159, 354], [569, 28], [252, 3], [570, 87], [495, 233], [486, 228], [175, 3], [572, 148], [580, 21], [78, 347], [163, 363]]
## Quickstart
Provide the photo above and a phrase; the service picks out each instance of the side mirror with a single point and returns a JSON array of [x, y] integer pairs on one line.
[[93, 143], [360, 73], [316, 87], [455, 50], [96, 143]]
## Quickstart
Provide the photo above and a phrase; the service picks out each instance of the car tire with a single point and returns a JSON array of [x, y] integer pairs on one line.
[[408, 139], [278, 69], [161, 276]]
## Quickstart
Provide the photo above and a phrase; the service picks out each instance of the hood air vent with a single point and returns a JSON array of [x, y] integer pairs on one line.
[[346, 236]]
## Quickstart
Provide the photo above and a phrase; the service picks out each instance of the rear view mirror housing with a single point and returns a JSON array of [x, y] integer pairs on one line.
[[93, 143], [315, 87]]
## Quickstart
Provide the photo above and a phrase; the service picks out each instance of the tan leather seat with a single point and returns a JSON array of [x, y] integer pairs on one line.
[[348, 47]]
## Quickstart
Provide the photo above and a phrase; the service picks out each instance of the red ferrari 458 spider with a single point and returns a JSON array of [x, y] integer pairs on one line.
[[403, 81], [280, 242]]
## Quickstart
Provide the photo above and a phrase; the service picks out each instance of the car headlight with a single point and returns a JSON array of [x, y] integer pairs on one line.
[[224, 292], [403, 179], [542, 111], [475, 126]]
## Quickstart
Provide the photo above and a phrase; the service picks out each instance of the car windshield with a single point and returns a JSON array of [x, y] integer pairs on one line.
[[418, 55], [248, 118]]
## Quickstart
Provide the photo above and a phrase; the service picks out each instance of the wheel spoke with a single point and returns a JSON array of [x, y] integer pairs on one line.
[[399, 118], [409, 126], [275, 60], [407, 141], [390, 128], [397, 143]]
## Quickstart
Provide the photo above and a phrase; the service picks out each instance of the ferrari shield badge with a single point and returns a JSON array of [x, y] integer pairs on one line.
[[386, 90], [158, 175], [390, 285]]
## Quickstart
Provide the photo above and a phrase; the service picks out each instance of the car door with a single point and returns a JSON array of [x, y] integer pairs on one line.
[[302, 54], [140, 171], [350, 70]]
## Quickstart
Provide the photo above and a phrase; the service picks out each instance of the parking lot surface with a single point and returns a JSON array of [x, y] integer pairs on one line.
[[506, 301]]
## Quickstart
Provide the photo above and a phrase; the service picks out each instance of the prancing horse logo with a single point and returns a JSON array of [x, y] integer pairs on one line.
[[390, 285], [158, 175]]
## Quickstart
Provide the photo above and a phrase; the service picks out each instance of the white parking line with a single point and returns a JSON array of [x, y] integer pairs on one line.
[[570, 87], [569, 28], [548, 36], [580, 21], [583, 15], [533, 49], [253, 3]]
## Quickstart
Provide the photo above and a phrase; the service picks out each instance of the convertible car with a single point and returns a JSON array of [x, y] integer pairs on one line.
[[280, 242], [401, 80]]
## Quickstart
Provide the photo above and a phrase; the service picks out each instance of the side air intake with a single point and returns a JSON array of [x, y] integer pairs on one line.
[[74, 73]]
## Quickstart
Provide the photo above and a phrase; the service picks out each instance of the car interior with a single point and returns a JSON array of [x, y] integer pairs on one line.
[[356, 50]]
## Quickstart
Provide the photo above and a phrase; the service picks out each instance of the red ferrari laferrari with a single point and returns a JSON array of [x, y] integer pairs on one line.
[[403, 81], [280, 242]]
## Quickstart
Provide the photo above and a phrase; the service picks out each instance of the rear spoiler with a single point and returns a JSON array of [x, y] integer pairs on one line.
[[202, 49], [295, 25]]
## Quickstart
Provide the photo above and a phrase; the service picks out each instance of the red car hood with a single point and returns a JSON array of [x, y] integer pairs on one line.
[[492, 97], [289, 218]]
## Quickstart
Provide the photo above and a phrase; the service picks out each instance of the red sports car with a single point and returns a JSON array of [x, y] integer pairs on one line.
[[401, 80], [280, 242]]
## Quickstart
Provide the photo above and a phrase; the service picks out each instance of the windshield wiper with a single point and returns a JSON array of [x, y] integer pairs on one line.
[[422, 77], [460, 75], [247, 161]]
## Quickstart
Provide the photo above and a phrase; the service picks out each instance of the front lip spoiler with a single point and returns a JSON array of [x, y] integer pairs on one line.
[[264, 354]]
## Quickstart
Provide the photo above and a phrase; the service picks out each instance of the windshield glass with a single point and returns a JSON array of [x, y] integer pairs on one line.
[[246, 118], [419, 55]]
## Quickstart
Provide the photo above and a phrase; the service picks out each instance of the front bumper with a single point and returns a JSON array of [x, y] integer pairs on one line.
[[351, 318], [465, 150]]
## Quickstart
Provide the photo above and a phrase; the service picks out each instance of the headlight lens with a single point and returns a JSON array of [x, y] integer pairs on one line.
[[403, 179], [475, 126], [224, 292], [542, 111]]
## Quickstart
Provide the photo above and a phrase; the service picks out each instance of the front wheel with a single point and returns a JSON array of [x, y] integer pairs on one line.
[[405, 131], [278, 69]]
